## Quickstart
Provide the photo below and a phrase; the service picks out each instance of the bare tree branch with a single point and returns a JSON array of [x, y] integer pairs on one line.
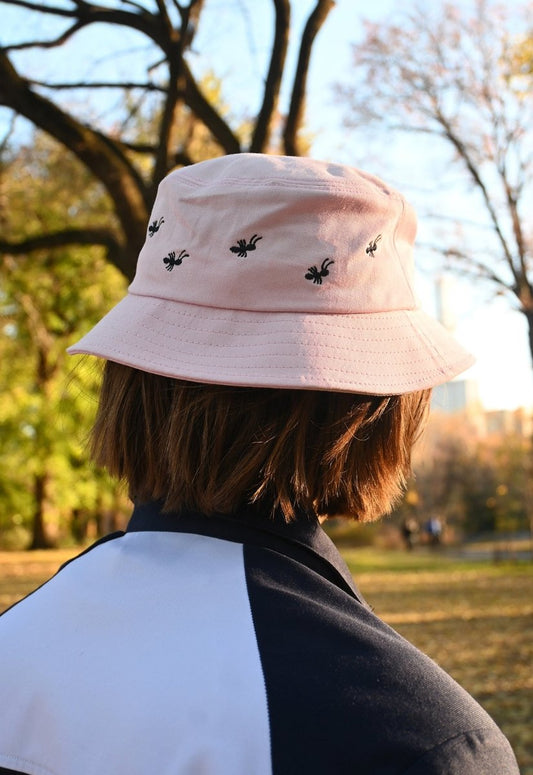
[[126, 85], [472, 168], [106, 161], [48, 9], [117, 253], [194, 9], [165, 18], [174, 89], [451, 75], [129, 166], [131, 3], [143, 148], [470, 264], [168, 116], [59, 41], [273, 81], [182, 159], [220, 130], [58, 239], [512, 203], [296, 109], [87, 13], [8, 134]]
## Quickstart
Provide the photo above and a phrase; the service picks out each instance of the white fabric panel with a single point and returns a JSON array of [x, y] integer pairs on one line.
[[138, 658]]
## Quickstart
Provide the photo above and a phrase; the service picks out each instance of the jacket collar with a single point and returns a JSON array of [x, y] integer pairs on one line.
[[303, 540]]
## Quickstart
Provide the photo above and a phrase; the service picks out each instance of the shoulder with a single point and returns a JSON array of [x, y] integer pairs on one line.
[[41, 591], [40, 617], [334, 667], [477, 752]]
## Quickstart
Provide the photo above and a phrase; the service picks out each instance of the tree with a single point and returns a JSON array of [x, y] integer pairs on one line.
[[477, 487], [130, 170], [46, 300], [464, 81]]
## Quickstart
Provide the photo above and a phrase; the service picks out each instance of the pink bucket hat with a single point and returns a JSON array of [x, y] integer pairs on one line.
[[276, 271]]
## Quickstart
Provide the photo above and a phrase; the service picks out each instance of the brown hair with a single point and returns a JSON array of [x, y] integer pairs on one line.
[[216, 448]]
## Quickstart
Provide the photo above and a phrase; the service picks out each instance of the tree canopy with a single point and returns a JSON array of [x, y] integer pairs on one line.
[[75, 200], [47, 299], [462, 79], [129, 168]]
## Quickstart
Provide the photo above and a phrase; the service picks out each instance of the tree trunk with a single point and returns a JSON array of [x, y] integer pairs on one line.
[[529, 317], [40, 538], [529, 490], [79, 524]]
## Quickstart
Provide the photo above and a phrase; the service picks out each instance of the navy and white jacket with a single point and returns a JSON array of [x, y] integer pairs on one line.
[[224, 646]]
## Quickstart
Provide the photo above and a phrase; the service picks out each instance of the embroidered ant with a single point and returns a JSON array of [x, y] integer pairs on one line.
[[155, 226], [316, 275], [171, 261], [241, 248], [373, 246]]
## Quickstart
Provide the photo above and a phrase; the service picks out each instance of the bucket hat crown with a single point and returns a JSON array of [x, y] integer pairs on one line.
[[279, 272]]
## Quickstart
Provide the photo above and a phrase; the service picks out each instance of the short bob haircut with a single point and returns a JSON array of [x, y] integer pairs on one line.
[[221, 449]]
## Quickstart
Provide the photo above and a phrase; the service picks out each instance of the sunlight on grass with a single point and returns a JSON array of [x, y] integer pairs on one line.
[[22, 572]]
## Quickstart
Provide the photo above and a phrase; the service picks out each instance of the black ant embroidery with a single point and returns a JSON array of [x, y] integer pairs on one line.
[[316, 275], [242, 248], [155, 226], [171, 261], [373, 246]]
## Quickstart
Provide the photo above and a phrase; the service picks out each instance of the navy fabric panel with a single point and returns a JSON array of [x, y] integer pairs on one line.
[[346, 694], [3, 771], [480, 751], [303, 539]]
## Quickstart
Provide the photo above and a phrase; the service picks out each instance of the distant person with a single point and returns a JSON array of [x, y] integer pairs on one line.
[[410, 531], [270, 367], [433, 529]]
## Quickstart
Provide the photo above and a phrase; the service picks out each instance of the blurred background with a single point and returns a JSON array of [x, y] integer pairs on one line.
[[99, 101]]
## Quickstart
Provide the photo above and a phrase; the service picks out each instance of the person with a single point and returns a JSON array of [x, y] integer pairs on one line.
[[433, 529], [410, 530], [269, 367]]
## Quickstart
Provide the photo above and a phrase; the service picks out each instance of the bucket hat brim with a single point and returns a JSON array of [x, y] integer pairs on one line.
[[383, 353]]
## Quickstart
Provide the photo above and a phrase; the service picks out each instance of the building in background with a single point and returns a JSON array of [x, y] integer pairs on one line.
[[456, 405]]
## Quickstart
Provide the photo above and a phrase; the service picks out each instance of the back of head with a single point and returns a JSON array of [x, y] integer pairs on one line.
[[222, 449], [271, 350]]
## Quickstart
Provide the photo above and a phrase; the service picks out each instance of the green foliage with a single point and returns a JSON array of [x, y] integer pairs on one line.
[[47, 300], [520, 63], [476, 488]]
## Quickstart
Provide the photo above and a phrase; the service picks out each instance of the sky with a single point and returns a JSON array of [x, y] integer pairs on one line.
[[238, 33], [489, 326]]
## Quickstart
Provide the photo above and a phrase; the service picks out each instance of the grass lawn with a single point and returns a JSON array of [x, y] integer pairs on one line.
[[474, 619]]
